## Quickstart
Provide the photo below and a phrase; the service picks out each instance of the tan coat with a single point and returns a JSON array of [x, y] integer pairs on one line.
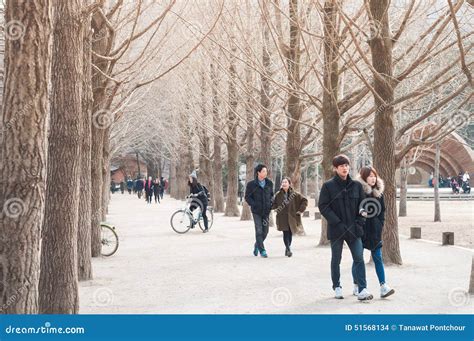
[[286, 217]]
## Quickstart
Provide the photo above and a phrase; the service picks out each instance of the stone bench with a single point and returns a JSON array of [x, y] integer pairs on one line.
[[415, 232], [447, 238]]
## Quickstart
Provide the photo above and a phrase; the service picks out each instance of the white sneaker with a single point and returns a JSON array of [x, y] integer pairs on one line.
[[355, 291], [364, 295], [338, 292], [386, 291]]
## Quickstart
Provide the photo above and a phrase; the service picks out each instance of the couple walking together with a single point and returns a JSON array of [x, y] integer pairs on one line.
[[346, 204]]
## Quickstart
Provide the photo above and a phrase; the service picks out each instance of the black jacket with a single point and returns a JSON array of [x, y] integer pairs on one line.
[[201, 193], [340, 203], [258, 198], [139, 185], [374, 205], [149, 186]]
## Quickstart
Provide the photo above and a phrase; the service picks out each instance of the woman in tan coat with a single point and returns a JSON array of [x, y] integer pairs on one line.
[[289, 206]]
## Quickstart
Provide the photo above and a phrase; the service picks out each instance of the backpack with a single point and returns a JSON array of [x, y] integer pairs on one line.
[[206, 191]]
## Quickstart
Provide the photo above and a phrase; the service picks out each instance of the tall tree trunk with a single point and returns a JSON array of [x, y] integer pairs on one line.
[[185, 166], [99, 45], [23, 155], [437, 211], [384, 136], [106, 179], [160, 167], [218, 193], [58, 284], [204, 148], [317, 185], [231, 208], [249, 155], [265, 103], [402, 210], [330, 111], [84, 252], [293, 138], [172, 183]]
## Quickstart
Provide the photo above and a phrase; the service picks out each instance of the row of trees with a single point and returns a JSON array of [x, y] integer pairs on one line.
[[71, 67], [302, 81], [206, 84]]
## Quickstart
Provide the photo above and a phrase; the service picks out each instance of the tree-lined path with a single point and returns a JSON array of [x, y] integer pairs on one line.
[[98, 95]]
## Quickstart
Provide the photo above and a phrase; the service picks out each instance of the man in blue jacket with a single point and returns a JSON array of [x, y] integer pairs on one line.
[[340, 202], [259, 195]]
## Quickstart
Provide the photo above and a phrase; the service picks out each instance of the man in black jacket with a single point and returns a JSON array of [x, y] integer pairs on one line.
[[340, 202], [149, 189], [259, 195]]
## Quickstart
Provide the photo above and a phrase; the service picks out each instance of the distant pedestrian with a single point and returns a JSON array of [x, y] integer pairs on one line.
[[149, 190], [162, 187], [156, 190], [129, 185], [139, 187], [241, 191]]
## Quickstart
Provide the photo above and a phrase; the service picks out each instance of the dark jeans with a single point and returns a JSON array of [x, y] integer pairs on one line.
[[149, 197], [161, 193], [357, 252], [261, 230], [287, 238], [157, 197], [203, 207]]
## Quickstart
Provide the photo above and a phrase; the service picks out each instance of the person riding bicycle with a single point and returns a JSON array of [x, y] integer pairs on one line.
[[198, 194]]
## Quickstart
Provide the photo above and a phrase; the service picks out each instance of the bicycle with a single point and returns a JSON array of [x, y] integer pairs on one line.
[[109, 239], [184, 219]]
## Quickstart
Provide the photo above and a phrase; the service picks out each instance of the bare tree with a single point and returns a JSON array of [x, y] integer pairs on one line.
[[58, 283], [23, 154]]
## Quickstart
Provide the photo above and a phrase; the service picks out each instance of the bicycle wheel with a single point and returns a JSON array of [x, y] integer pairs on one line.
[[109, 240], [180, 221], [210, 220]]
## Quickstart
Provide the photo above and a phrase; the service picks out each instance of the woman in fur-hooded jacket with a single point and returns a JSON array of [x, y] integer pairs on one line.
[[374, 205], [374, 208]]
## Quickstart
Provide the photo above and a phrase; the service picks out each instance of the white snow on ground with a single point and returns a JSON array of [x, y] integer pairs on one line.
[[156, 271]]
